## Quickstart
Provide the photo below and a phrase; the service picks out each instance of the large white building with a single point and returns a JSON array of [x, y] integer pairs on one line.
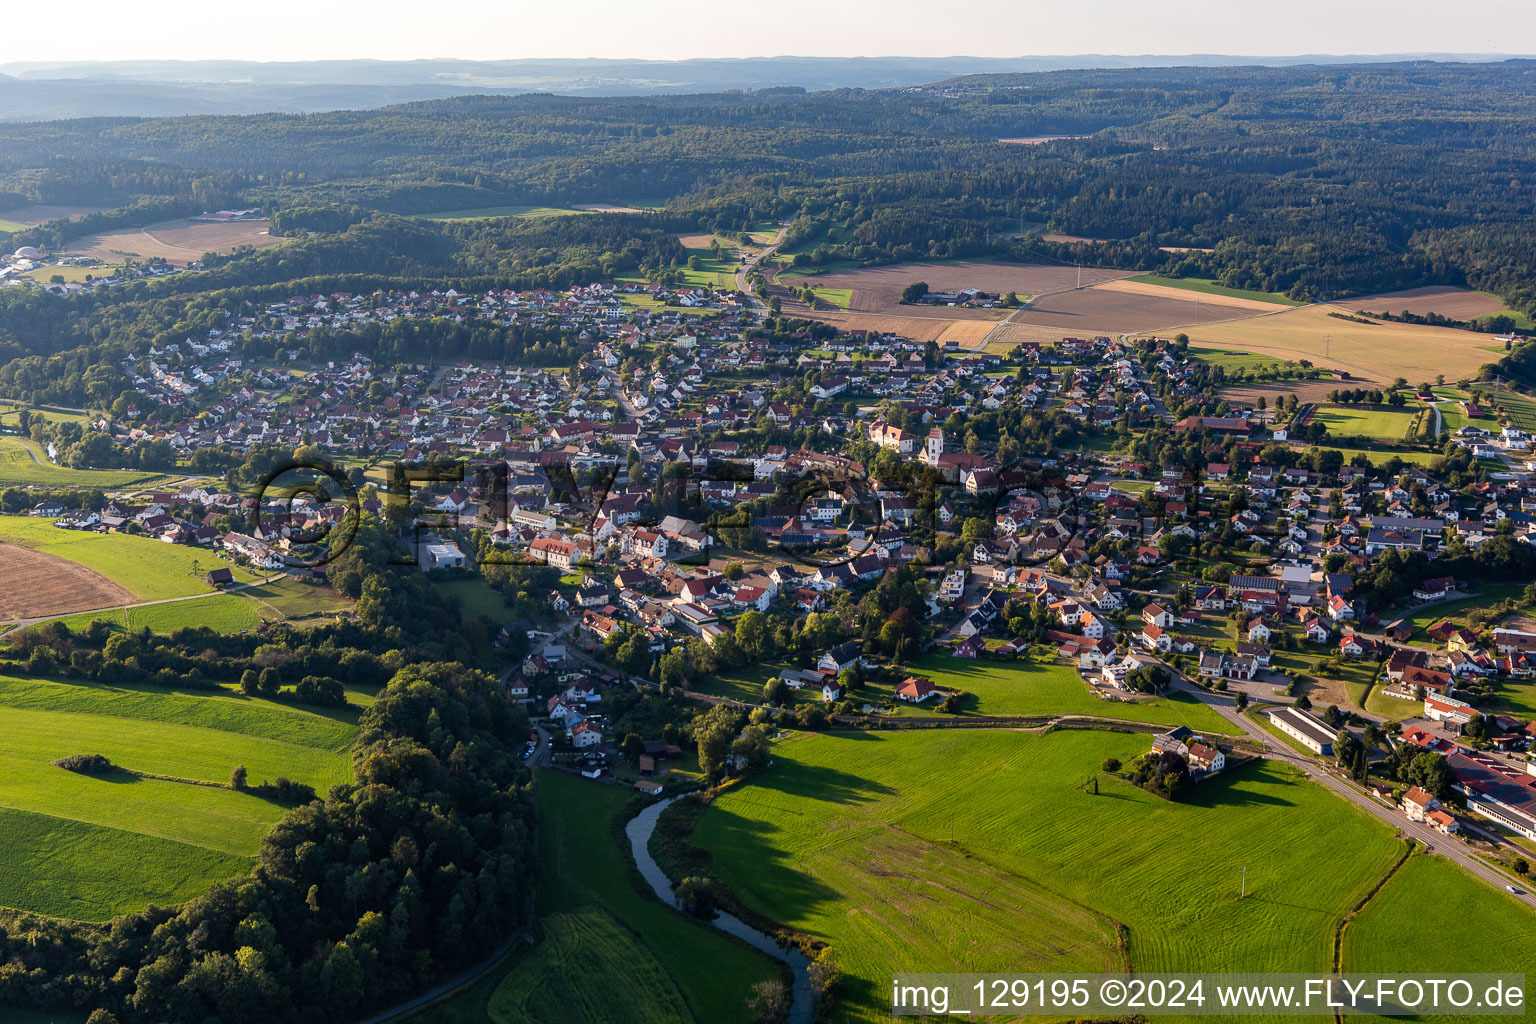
[[1304, 729]]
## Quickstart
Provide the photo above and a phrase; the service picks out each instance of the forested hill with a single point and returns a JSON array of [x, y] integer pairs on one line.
[[1319, 181]]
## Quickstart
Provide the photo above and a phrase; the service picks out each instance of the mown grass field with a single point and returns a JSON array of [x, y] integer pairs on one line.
[[1482, 929], [981, 851], [1210, 287], [148, 568], [638, 960], [10, 414], [1014, 688], [92, 847], [222, 711], [712, 272], [1234, 359], [1517, 408], [838, 298], [226, 613], [85, 872], [18, 468], [994, 688], [1381, 423], [289, 598]]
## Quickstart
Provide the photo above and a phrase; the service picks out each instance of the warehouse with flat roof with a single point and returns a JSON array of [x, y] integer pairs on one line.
[[1304, 729]]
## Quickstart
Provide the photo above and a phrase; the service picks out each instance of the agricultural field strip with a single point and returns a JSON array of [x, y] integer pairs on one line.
[[93, 872], [220, 711]]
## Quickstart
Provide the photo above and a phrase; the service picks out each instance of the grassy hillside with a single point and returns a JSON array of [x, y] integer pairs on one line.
[[603, 947], [22, 463], [227, 613], [981, 852], [92, 847], [150, 569], [1014, 688], [88, 872]]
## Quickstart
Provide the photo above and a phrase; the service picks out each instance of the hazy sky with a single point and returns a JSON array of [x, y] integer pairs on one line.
[[673, 29]]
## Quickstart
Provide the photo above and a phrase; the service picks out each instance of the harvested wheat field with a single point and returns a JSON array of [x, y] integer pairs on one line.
[[178, 241], [40, 214], [1122, 307], [1247, 395], [913, 328], [1456, 303], [878, 289], [1006, 336], [608, 208], [37, 583], [1162, 291], [1375, 353], [967, 333]]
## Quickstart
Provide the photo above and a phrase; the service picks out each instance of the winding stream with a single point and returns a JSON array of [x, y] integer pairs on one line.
[[639, 829]]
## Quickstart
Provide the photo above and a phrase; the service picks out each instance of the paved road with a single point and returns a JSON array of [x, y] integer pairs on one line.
[[453, 985], [616, 388], [751, 264], [1448, 846]]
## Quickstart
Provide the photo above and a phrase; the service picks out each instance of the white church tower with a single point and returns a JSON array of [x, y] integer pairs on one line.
[[935, 446]]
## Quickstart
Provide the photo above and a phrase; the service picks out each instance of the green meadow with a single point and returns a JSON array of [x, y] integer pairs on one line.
[[638, 959], [713, 272], [1479, 928], [1234, 359], [226, 613], [477, 597], [148, 568], [1381, 423], [957, 850], [19, 468], [1028, 689], [89, 847], [85, 872]]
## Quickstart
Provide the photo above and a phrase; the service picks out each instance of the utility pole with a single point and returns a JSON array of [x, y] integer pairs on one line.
[[1244, 893], [1079, 275]]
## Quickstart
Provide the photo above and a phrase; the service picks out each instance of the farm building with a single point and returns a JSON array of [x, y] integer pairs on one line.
[[1302, 727]]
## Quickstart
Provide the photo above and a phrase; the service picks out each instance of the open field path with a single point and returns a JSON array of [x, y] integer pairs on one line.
[[1434, 841], [235, 588]]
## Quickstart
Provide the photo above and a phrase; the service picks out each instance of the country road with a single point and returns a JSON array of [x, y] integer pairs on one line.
[[751, 264], [7, 624], [450, 987], [1448, 846]]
